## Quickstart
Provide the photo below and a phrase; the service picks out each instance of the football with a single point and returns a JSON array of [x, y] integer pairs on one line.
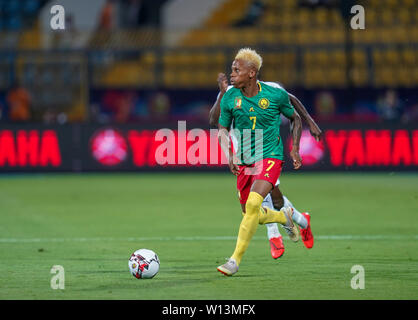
[[144, 264]]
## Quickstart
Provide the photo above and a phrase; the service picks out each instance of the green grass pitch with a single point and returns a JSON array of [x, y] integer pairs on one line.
[[91, 223]]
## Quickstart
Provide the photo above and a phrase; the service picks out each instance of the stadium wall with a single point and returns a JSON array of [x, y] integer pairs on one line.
[[95, 148]]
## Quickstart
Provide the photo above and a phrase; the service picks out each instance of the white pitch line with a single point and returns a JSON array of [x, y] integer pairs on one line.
[[203, 238]]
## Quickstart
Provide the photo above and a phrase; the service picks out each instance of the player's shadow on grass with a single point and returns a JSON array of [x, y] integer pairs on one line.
[[238, 275], [102, 271], [91, 259]]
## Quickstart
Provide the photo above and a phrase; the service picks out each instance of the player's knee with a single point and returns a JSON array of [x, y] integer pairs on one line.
[[252, 206], [278, 202]]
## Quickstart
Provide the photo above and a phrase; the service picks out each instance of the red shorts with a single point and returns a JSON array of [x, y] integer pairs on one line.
[[267, 169]]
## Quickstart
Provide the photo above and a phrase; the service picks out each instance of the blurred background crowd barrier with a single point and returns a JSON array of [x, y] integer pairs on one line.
[[89, 147], [124, 65]]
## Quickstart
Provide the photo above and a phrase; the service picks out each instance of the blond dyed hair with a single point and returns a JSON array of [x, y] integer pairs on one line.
[[251, 57]]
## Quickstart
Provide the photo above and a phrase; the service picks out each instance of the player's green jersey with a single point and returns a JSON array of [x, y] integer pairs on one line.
[[256, 120]]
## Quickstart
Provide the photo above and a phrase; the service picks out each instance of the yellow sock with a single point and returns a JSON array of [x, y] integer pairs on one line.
[[248, 225], [267, 215]]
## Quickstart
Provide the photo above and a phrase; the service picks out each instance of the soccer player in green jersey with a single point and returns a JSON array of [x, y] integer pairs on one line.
[[276, 199], [255, 110]]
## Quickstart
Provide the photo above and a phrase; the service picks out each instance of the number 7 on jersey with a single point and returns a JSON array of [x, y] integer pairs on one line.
[[254, 120]]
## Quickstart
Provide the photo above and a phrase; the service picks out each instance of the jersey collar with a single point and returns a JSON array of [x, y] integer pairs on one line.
[[259, 86]]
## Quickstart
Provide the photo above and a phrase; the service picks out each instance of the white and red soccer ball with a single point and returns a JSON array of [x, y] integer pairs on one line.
[[144, 264]]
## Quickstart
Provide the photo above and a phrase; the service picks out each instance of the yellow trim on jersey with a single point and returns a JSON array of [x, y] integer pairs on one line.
[[259, 85]]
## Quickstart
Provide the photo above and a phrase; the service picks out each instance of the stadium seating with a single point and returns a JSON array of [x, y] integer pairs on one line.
[[18, 14], [284, 24], [301, 46]]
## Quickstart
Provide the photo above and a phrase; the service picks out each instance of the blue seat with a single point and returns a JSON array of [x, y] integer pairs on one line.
[[14, 23], [11, 7], [30, 6]]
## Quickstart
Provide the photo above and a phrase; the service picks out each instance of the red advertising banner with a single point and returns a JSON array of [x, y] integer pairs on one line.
[[29, 148], [370, 148], [127, 148], [157, 148]]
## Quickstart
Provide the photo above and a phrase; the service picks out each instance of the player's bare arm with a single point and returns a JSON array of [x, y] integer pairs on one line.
[[216, 109], [226, 146], [300, 108], [296, 131]]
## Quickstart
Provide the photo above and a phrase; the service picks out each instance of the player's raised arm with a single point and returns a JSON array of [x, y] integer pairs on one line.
[[216, 109], [303, 113]]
